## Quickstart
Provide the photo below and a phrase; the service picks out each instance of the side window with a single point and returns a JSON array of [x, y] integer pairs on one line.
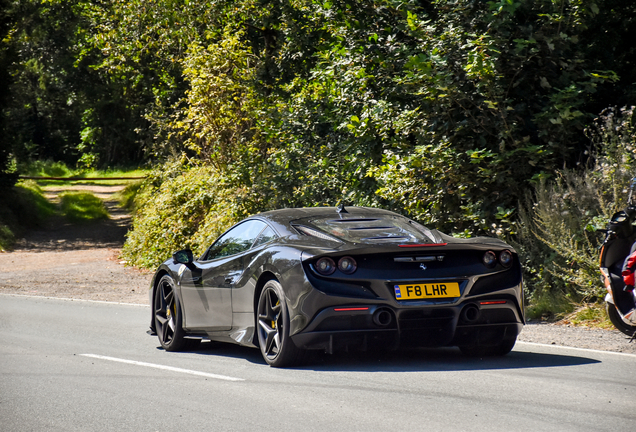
[[267, 235], [236, 240]]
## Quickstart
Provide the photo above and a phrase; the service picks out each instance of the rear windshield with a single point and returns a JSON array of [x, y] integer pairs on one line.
[[383, 229]]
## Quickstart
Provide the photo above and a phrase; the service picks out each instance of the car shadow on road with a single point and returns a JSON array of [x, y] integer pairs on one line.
[[221, 349], [412, 360], [441, 359]]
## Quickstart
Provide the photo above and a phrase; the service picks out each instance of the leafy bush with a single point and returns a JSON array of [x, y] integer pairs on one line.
[[557, 226], [179, 206], [128, 195]]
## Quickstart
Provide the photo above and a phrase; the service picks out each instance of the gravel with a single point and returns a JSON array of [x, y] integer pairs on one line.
[[82, 262], [578, 337]]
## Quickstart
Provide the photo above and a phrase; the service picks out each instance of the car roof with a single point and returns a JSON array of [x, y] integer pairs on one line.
[[287, 215], [283, 219]]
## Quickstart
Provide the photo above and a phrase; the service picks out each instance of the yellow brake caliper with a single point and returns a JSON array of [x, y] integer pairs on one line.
[[274, 322]]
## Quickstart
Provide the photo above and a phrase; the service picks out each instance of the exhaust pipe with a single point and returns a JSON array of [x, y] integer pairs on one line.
[[470, 313], [382, 317]]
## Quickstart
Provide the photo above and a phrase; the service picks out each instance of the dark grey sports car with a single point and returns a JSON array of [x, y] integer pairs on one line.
[[329, 278]]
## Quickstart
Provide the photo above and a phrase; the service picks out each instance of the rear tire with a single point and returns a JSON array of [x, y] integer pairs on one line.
[[272, 327], [618, 322]]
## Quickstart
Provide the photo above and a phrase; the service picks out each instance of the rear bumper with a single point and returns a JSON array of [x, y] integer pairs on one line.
[[364, 326]]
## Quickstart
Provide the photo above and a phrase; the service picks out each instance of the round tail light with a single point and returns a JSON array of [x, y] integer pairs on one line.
[[489, 259], [347, 265], [325, 266], [505, 258]]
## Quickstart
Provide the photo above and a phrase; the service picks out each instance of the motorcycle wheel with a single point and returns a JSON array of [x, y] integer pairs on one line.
[[618, 322]]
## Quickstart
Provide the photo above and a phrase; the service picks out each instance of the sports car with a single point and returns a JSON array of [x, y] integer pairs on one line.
[[346, 278]]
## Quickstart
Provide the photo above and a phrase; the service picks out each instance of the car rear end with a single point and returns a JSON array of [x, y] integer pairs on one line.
[[393, 282]]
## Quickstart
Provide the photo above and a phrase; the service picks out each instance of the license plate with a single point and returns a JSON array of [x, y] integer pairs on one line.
[[426, 290]]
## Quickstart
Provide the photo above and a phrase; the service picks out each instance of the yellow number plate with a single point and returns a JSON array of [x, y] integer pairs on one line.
[[426, 290]]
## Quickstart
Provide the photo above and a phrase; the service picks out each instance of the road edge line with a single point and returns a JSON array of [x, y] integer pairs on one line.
[[575, 348], [73, 299]]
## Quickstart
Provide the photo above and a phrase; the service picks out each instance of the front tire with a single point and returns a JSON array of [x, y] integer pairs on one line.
[[618, 322], [168, 318], [272, 327]]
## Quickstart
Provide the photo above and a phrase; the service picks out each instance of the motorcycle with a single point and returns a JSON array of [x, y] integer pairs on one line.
[[618, 245]]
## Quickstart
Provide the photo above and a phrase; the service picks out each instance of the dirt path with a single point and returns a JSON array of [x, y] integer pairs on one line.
[[81, 262], [76, 261], [58, 234]]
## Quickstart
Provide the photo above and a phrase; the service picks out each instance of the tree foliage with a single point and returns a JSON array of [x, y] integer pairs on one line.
[[56, 104], [448, 111]]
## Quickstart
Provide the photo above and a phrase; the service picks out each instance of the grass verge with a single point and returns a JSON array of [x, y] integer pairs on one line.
[[58, 169], [25, 207], [82, 207], [560, 309], [589, 315], [549, 307]]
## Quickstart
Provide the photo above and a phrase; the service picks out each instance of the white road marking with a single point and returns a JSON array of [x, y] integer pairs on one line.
[[577, 349], [239, 379], [162, 367], [74, 300]]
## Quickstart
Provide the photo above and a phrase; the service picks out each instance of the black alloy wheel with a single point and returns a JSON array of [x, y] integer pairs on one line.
[[272, 327], [168, 316], [618, 322]]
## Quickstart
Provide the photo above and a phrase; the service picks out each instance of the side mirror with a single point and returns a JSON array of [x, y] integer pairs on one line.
[[183, 257]]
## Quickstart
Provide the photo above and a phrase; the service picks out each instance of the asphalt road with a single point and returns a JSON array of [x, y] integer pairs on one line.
[[89, 366]]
